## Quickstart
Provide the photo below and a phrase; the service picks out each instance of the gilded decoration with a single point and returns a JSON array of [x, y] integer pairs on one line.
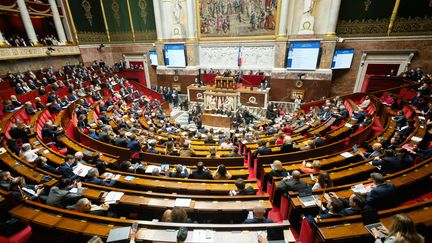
[[145, 35], [92, 37], [116, 10], [142, 4], [378, 27], [121, 36], [87, 11], [367, 4]]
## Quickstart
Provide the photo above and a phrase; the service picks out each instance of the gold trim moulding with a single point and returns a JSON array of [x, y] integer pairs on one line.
[[14, 53]]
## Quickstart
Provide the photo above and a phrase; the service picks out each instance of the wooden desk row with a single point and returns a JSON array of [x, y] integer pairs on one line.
[[88, 225]]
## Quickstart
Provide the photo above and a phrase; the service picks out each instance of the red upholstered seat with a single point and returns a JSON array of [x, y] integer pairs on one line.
[[306, 232], [20, 237]]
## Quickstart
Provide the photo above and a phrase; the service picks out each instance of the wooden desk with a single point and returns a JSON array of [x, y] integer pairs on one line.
[[215, 120]]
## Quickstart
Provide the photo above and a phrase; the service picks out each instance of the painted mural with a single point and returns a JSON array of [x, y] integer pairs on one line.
[[226, 18]]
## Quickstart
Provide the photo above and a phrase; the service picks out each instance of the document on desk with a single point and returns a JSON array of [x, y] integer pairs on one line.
[[347, 155], [203, 236], [308, 201], [359, 188], [182, 202], [81, 170], [113, 197], [416, 139]]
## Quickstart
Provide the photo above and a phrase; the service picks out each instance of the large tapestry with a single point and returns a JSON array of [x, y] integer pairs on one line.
[[234, 18]]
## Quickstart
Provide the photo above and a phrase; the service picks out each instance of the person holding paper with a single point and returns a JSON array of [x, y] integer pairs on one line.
[[93, 178], [85, 206], [376, 151], [310, 168], [64, 193], [27, 153], [382, 196]]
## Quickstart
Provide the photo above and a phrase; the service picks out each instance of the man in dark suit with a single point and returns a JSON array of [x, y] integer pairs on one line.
[[258, 216], [133, 144], [121, 140], [389, 164], [354, 205], [319, 141], [29, 108], [201, 172], [234, 152], [103, 135], [286, 185], [262, 149], [382, 195], [400, 119], [93, 177], [242, 190], [66, 170]]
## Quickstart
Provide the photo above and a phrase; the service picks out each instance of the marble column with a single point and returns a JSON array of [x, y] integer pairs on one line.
[[282, 32], [28, 25], [191, 30], [57, 22], [333, 17], [158, 20]]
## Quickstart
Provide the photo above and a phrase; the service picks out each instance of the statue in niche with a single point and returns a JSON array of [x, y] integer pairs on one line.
[[307, 22], [177, 11], [177, 26]]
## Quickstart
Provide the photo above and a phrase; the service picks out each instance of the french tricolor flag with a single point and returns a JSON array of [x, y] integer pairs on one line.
[[240, 57]]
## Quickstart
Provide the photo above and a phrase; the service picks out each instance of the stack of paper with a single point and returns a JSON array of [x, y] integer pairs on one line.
[[182, 202], [346, 154], [359, 188], [81, 170], [113, 197], [416, 139]]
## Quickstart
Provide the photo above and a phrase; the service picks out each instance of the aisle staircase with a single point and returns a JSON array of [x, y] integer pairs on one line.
[[179, 116]]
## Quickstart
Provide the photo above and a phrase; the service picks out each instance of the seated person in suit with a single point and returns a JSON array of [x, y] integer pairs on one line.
[[310, 168], [61, 196], [29, 108], [179, 172], [41, 162], [66, 169], [262, 149], [127, 166], [27, 153], [93, 177], [85, 206], [354, 205], [186, 151], [331, 209], [319, 141], [382, 195], [389, 164], [359, 115], [151, 148], [209, 139], [400, 119], [258, 216], [286, 185], [242, 189], [201, 172], [376, 151], [234, 153], [287, 146], [277, 171], [221, 173], [18, 186]]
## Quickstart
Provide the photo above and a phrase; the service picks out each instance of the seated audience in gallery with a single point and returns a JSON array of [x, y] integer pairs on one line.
[[179, 172], [200, 172], [221, 173], [242, 190], [234, 152]]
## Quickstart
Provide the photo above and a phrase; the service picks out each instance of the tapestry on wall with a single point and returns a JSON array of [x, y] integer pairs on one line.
[[234, 18]]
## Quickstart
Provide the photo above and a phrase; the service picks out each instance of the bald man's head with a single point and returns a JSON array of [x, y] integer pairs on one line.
[[296, 175]]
